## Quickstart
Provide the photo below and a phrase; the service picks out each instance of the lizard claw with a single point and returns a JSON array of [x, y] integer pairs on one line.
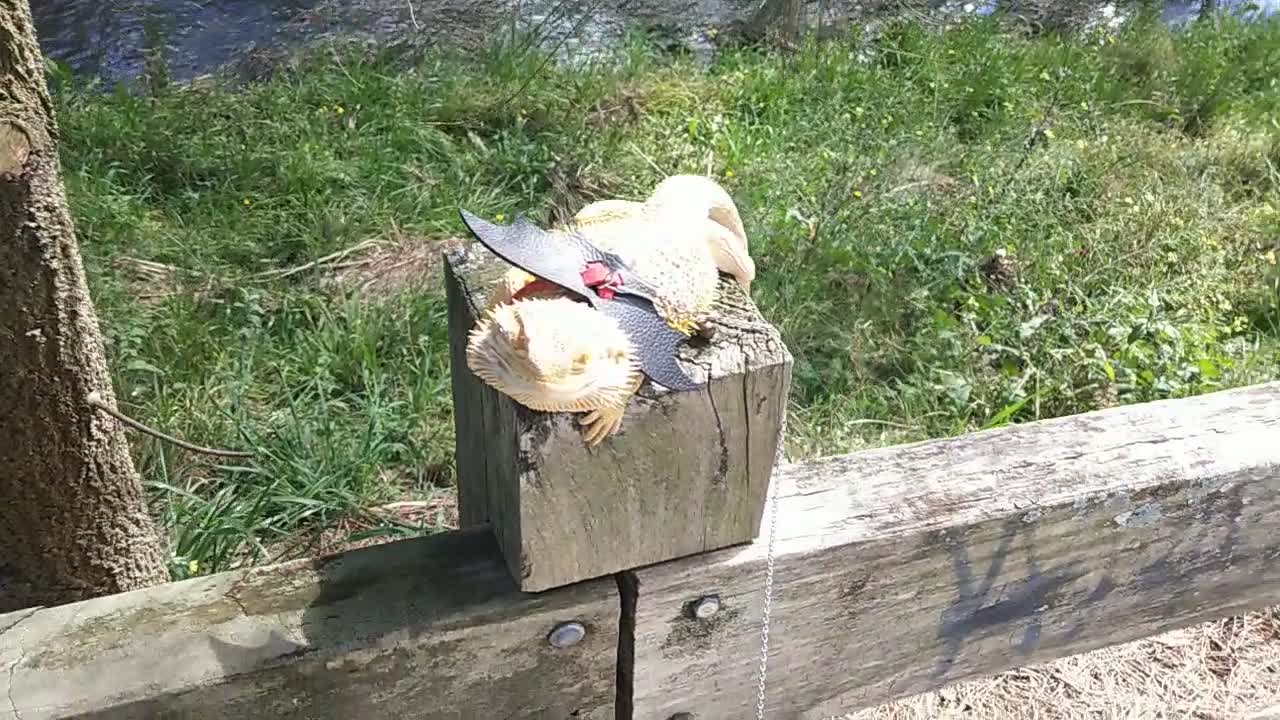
[[601, 423], [706, 328]]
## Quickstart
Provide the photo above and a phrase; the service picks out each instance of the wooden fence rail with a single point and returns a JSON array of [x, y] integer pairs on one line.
[[898, 570]]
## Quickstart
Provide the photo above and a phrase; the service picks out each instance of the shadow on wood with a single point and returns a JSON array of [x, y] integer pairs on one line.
[[428, 628]]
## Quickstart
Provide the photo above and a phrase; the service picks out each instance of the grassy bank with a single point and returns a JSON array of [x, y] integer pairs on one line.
[[954, 231]]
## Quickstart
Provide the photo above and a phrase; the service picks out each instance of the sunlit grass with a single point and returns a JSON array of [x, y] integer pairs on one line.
[[953, 231]]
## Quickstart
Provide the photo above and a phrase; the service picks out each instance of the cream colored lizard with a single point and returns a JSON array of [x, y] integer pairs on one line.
[[550, 352]]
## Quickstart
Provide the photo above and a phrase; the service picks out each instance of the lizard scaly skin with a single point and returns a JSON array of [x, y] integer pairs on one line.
[[551, 352], [705, 207], [709, 208]]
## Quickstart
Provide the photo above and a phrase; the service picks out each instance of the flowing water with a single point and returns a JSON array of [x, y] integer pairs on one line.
[[112, 39]]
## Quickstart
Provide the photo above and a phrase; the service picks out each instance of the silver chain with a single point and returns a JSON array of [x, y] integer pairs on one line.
[[768, 596]]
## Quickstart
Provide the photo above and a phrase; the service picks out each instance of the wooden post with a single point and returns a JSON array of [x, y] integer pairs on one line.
[[687, 473]]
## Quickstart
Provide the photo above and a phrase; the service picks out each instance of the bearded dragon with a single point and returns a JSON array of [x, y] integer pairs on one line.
[[548, 350]]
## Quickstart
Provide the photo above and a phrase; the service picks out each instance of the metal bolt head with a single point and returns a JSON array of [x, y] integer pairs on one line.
[[706, 606], [566, 634]]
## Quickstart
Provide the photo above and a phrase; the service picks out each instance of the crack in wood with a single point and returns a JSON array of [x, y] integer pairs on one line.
[[13, 704], [13, 667], [628, 596]]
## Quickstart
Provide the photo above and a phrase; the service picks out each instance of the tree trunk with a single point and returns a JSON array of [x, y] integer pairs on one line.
[[73, 520], [778, 20]]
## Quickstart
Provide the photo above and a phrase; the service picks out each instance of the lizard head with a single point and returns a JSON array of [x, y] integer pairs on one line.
[[553, 354]]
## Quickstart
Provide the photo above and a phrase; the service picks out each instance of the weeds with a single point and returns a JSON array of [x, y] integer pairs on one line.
[[931, 272]]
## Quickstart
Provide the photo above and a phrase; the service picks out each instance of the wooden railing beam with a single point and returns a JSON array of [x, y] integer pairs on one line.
[[905, 569], [426, 628], [898, 571]]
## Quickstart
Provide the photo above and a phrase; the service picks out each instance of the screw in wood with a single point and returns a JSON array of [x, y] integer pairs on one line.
[[566, 634], [706, 606]]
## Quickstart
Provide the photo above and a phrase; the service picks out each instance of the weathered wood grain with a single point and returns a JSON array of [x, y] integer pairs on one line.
[[909, 568], [687, 473], [898, 571], [429, 628]]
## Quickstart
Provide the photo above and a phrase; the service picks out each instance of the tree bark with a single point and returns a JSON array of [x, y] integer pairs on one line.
[[73, 519]]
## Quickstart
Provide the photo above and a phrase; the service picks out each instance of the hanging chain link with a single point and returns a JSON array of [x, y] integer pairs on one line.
[[768, 596]]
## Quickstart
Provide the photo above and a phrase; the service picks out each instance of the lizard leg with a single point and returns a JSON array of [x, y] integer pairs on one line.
[[516, 284], [602, 422], [688, 322], [511, 282]]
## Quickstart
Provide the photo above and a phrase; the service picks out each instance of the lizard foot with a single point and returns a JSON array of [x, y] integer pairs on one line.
[[706, 327], [601, 423]]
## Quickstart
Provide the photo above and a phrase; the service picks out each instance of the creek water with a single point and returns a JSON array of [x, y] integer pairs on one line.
[[112, 39]]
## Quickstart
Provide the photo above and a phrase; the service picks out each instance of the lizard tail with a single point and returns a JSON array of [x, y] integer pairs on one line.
[[731, 256]]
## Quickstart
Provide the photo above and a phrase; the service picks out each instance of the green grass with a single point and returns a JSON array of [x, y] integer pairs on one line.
[[931, 274]]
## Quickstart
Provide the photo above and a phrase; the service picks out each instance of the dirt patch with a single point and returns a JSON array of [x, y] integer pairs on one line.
[[388, 267], [573, 186], [151, 283], [1000, 271], [623, 107], [1224, 669], [914, 176], [440, 512], [376, 525]]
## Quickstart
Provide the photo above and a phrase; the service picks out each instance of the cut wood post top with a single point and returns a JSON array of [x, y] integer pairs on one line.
[[688, 472], [477, 271]]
